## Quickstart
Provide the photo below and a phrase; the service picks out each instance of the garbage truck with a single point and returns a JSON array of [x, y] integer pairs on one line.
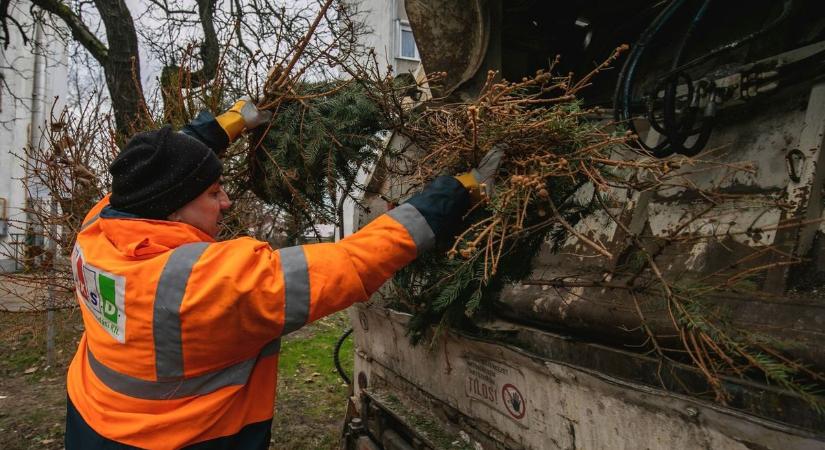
[[562, 366]]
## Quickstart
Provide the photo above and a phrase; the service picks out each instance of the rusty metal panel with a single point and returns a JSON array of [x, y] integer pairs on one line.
[[452, 37], [762, 137], [537, 403]]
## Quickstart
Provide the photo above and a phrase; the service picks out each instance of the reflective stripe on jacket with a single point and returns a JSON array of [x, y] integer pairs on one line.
[[182, 333]]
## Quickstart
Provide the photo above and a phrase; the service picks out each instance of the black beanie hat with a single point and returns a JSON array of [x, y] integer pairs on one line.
[[160, 171]]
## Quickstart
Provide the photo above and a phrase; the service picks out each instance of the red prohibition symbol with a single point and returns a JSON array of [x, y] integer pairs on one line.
[[513, 401]]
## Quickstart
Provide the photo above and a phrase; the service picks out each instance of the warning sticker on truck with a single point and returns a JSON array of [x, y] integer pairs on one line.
[[496, 385]]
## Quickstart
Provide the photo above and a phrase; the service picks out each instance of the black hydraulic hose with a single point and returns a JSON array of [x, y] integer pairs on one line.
[[700, 13], [675, 131], [786, 12], [670, 89], [624, 81], [701, 140], [623, 92], [662, 86], [679, 131], [336, 356]]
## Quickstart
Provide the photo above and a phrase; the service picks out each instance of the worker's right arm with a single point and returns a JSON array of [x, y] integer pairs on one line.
[[247, 294], [354, 268]]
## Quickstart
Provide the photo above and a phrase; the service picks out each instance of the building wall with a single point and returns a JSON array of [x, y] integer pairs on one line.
[[382, 17], [32, 81]]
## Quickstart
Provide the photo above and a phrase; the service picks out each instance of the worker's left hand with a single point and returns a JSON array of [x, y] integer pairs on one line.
[[243, 115], [252, 116], [481, 180]]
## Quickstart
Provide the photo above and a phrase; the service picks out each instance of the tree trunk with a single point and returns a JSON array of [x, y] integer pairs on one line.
[[122, 67], [120, 58]]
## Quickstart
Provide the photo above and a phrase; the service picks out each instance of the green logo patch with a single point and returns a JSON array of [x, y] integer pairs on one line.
[[107, 294]]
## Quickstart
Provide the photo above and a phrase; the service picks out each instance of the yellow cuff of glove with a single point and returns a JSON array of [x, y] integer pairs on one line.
[[468, 180], [232, 121]]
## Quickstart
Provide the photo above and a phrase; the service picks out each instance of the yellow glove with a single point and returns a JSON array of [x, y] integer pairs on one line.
[[243, 115], [479, 181]]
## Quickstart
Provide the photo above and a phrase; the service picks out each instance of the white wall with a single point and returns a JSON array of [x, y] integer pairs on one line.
[[18, 111], [382, 16]]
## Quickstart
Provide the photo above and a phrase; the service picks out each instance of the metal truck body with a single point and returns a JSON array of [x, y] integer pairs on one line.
[[564, 370]]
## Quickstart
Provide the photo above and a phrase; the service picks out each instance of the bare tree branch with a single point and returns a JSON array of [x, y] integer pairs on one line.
[[171, 75], [80, 32]]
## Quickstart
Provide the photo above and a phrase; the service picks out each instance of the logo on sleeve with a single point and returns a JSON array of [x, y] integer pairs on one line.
[[102, 294]]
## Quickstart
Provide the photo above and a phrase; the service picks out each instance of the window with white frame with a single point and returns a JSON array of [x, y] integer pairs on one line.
[[406, 42]]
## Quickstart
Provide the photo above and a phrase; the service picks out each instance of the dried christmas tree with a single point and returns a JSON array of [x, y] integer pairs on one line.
[[560, 166], [551, 150]]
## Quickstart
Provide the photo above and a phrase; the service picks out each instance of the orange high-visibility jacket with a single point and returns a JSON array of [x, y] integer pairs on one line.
[[182, 333]]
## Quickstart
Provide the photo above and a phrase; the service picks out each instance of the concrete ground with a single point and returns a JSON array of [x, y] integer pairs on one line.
[[16, 296], [20, 293]]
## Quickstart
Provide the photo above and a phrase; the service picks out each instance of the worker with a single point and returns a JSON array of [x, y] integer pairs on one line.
[[182, 333]]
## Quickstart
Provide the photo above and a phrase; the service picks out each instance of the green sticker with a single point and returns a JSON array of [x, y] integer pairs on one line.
[[107, 294]]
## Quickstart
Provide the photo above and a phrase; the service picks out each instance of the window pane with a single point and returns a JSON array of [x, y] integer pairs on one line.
[[407, 44]]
